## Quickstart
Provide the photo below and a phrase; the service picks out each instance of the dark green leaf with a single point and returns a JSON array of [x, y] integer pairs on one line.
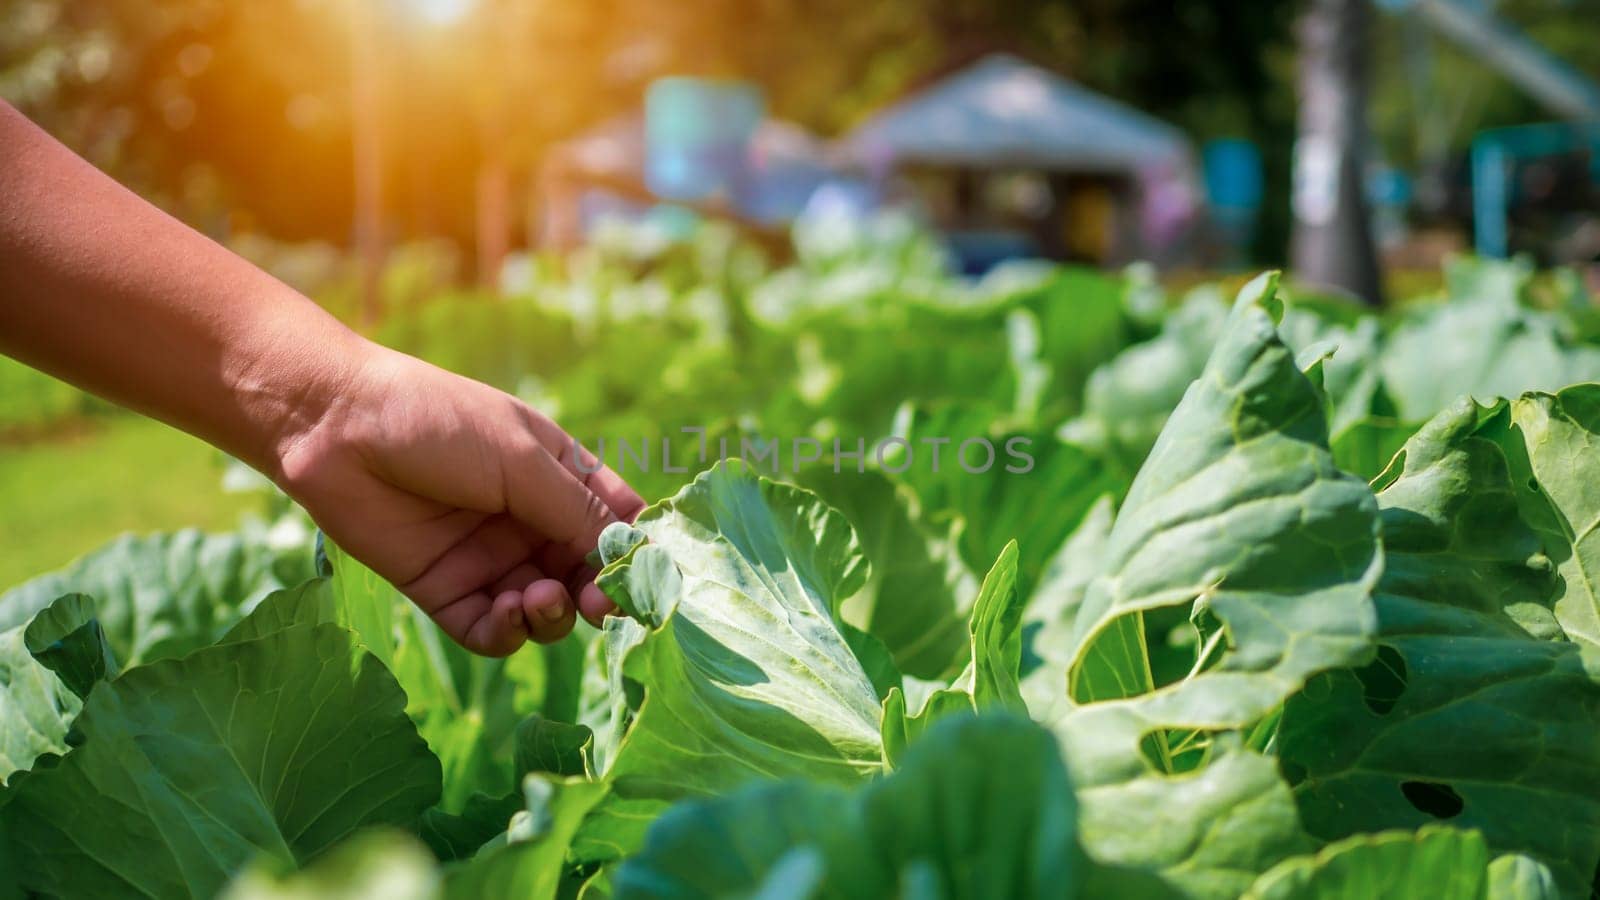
[[190, 768]]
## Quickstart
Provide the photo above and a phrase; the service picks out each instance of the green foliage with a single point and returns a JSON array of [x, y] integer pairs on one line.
[[1250, 670], [748, 671], [281, 744], [1432, 862], [1474, 659], [979, 808], [163, 595], [990, 680], [47, 666]]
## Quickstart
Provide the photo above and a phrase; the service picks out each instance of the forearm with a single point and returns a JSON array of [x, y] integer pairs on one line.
[[103, 290]]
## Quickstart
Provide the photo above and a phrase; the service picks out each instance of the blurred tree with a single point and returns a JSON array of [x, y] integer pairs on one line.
[[1332, 241], [1430, 97], [211, 107]]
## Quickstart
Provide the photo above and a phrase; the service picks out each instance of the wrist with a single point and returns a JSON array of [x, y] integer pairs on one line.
[[304, 372]]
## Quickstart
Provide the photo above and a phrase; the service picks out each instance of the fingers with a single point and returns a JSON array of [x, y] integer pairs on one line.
[[604, 498], [546, 603], [519, 575], [487, 627], [488, 596], [594, 605], [476, 562], [523, 604], [548, 610], [549, 498], [624, 502]]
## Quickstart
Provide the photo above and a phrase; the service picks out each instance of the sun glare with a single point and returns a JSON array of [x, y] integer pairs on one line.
[[439, 12]]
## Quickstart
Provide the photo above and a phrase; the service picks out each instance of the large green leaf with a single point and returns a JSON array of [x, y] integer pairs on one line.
[[1437, 863], [990, 681], [1081, 325], [1127, 400], [163, 595], [1477, 711], [466, 707], [1240, 522], [998, 484], [281, 745], [1240, 513], [47, 667], [1485, 342], [919, 591], [1049, 620], [981, 808], [1554, 449], [747, 670]]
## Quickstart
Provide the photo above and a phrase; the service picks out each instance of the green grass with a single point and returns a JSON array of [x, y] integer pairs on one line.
[[63, 496]]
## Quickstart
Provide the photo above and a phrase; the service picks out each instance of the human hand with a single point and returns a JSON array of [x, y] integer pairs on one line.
[[462, 496], [465, 498]]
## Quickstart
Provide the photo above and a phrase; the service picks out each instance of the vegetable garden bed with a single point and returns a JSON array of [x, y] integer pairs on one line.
[[1274, 613]]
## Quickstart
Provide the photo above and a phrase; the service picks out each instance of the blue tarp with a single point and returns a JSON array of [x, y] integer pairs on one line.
[[1003, 111], [769, 181]]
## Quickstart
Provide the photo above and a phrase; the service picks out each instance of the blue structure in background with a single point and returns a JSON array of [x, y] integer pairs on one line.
[[775, 191], [1495, 154], [697, 134], [1233, 173], [1234, 188]]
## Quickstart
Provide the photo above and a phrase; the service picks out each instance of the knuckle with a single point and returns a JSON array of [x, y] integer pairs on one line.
[[596, 512]]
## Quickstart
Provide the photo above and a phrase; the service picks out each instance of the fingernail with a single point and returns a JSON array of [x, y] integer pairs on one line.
[[555, 612]]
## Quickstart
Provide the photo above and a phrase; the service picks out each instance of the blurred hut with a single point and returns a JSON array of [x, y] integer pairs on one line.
[[1010, 160], [758, 174]]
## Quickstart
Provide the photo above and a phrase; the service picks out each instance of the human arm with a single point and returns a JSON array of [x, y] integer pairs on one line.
[[473, 504]]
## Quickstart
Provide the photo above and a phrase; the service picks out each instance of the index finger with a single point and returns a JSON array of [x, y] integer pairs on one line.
[[593, 474]]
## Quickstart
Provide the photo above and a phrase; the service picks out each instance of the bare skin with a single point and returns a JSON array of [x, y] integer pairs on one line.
[[461, 495]]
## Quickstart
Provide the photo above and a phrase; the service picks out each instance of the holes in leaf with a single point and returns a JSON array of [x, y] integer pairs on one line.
[[1533, 484], [1177, 750], [1150, 747], [1437, 800], [1383, 680]]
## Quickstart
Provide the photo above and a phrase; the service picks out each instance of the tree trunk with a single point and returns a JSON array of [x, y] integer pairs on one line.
[[499, 20], [367, 145], [1331, 245], [494, 219]]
